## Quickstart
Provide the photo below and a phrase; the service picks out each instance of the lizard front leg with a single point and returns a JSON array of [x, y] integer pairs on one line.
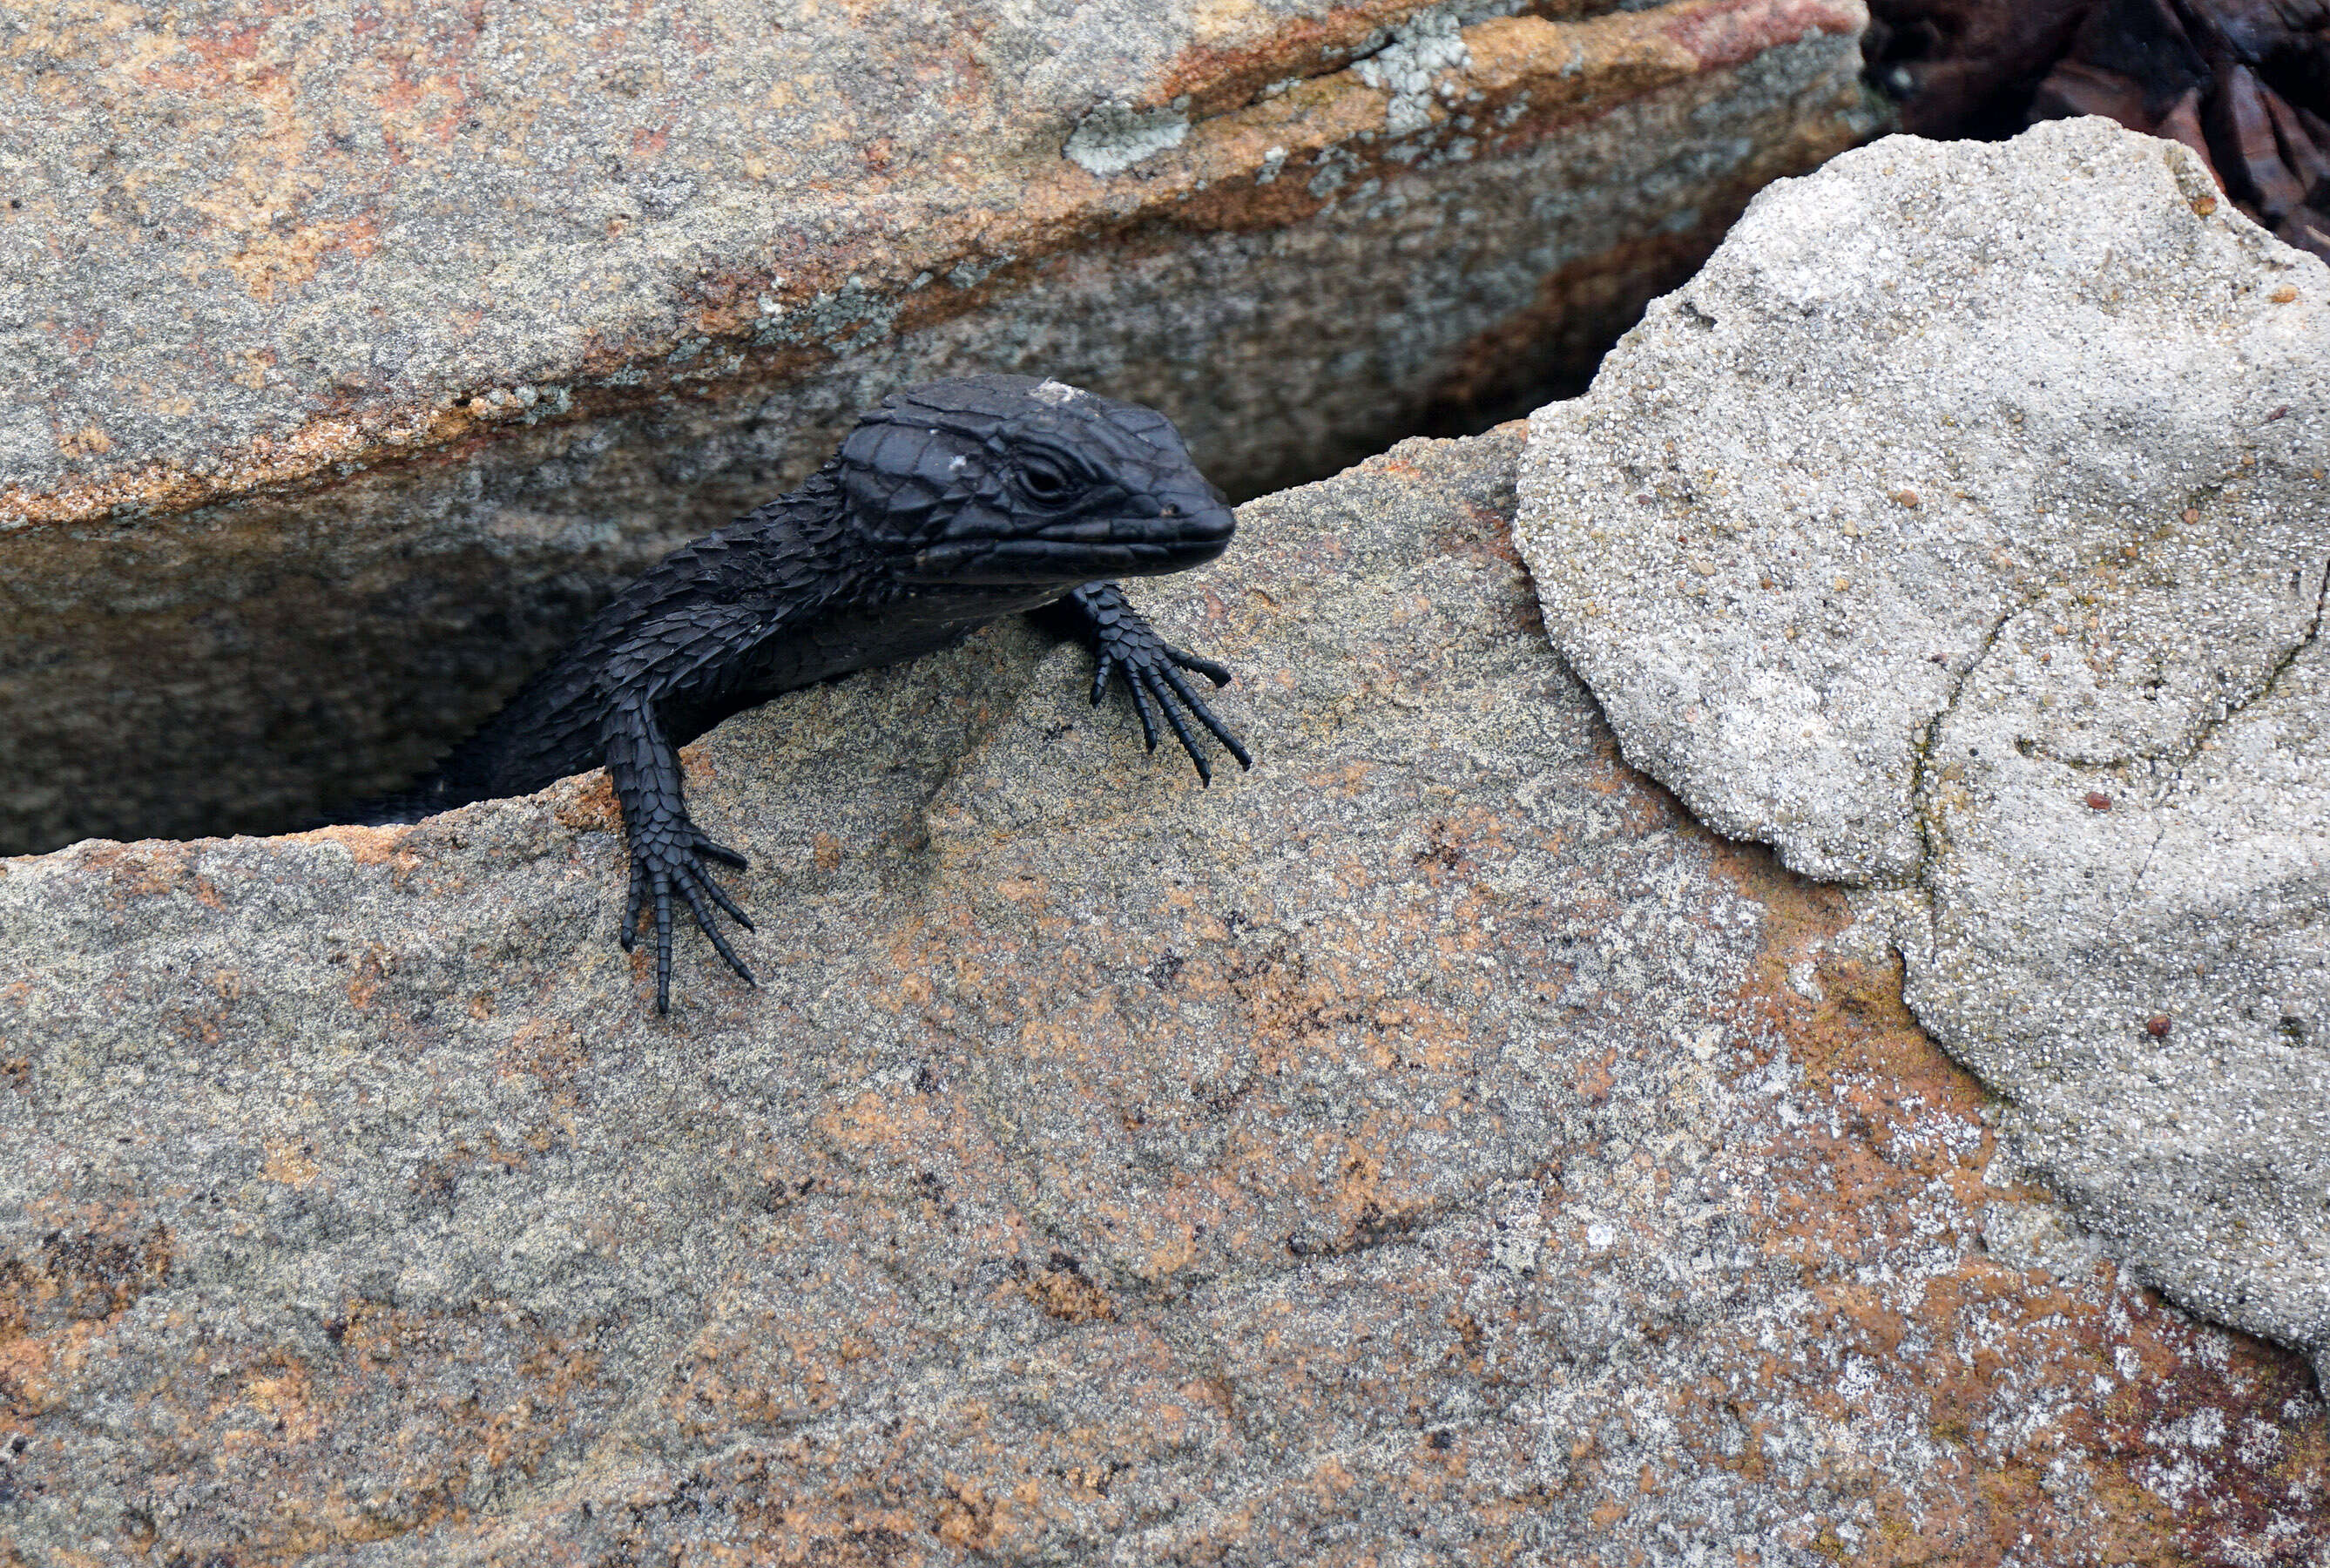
[[1124, 644], [667, 850]]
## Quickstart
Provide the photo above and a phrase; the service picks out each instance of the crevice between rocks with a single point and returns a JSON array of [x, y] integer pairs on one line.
[[2183, 756], [2179, 758], [1921, 749], [2208, 726]]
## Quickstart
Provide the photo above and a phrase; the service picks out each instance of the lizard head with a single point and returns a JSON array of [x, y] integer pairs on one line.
[[1007, 480]]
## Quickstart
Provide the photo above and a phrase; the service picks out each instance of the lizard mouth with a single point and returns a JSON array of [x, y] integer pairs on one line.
[[1083, 548]]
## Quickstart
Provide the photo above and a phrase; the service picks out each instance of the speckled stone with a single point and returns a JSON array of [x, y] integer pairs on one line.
[[355, 355], [1431, 1146], [1962, 529]]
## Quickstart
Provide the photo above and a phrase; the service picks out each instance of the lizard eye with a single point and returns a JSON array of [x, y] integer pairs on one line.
[[1044, 481]]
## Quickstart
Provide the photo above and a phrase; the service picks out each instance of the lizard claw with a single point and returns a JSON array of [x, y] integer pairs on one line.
[[726, 857]]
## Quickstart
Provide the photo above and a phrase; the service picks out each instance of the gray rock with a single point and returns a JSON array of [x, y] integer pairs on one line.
[[1432, 1146], [1962, 529], [353, 365], [1114, 137]]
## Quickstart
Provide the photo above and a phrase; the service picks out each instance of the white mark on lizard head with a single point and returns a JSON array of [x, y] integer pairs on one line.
[[1055, 393]]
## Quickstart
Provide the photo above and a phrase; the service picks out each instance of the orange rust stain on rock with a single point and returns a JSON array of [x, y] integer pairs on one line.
[[1571, 71], [1060, 1289], [1483, 532], [222, 48], [2112, 1365], [142, 870], [367, 846], [1218, 76], [590, 807], [272, 264], [970, 1520], [59, 1298], [826, 854], [1734, 32], [1022, 889], [1594, 1086], [879, 1120], [1575, 71], [548, 1050], [1645, 805], [364, 982], [282, 1399], [1347, 781], [285, 1423], [292, 1163]]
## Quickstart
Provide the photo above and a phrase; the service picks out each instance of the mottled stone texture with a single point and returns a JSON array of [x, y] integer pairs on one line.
[[1963, 529], [356, 356], [1431, 1146]]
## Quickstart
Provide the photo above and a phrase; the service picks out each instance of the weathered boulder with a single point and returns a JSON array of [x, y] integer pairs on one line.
[[1962, 529], [353, 360], [1430, 1146]]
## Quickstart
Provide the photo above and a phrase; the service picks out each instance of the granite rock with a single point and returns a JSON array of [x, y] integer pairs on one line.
[[1961, 530], [355, 357], [1432, 1147]]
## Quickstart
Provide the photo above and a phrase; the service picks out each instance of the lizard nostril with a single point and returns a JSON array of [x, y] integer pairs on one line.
[[1171, 510]]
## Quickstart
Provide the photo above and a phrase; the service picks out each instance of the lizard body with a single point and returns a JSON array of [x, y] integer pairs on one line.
[[952, 504]]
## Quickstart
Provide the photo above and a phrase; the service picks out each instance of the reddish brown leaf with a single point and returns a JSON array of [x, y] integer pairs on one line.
[[2074, 88], [2183, 123], [2243, 133], [2303, 154], [2307, 230]]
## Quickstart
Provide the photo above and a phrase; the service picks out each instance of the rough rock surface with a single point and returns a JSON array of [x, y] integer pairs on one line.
[[1962, 529], [1432, 1147], [355, 356]]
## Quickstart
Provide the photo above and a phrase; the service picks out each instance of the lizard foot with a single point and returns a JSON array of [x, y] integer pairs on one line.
[[1152, 667], [672, 859]]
